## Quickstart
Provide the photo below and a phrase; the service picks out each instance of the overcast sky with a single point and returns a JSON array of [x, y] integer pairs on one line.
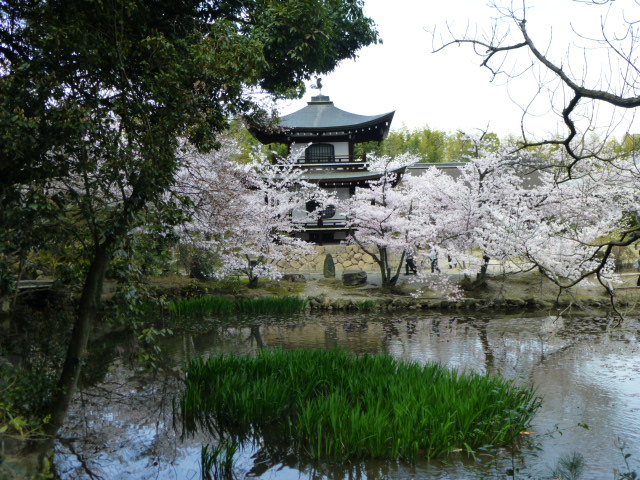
[[447, 90]]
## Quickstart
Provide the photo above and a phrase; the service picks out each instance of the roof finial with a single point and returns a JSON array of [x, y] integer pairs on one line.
[[318, 85]]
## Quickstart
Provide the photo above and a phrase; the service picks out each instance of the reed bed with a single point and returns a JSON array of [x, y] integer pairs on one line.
[[334, 404], [215, 305]]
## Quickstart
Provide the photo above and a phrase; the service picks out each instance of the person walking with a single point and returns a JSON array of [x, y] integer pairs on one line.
[[410, 265], [434, 262]]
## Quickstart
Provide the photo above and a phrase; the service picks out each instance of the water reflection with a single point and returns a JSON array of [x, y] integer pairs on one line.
[[585, 369]]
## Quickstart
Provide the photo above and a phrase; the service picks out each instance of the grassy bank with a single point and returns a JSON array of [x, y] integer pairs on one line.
[[333, 404]]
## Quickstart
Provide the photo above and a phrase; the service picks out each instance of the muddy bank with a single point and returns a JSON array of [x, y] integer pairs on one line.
[[523, 292]]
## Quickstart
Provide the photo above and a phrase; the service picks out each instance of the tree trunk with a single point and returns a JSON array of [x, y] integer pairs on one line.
[[388, 280], [87, 312]]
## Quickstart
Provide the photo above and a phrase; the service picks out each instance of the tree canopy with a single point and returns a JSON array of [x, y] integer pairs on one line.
[[70, 70], [94, 97], [426, 144], [590, 83]]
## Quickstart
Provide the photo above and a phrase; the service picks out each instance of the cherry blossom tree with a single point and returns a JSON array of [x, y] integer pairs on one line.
[[565, 228], [505, 206], [378, 217], [242, 213], [435, 213], [459, 213], [455, 216], [588, 78]]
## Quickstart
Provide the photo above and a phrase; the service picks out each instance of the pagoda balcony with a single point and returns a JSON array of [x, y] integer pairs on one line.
[[328, 219], [323, 224], [334, 162]]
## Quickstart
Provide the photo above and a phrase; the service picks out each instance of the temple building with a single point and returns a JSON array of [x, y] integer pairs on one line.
[[322, 138]]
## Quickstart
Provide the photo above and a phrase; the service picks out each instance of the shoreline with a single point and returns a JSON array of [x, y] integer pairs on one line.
[[504, 295]]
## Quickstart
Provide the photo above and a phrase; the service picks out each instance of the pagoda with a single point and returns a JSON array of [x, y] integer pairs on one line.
[[321, 137]]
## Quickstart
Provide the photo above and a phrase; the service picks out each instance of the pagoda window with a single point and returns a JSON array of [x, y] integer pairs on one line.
[[319, 153]]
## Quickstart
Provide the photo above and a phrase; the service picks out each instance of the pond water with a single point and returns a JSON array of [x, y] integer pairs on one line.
[[586, 370]]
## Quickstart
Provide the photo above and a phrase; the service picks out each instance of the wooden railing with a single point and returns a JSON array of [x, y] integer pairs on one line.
[[324, 223]]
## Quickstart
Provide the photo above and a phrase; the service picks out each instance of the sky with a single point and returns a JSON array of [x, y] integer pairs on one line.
[[448, 90]]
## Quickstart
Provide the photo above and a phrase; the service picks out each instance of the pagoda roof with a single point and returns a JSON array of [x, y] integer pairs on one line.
[[345, 177], [321, 118]]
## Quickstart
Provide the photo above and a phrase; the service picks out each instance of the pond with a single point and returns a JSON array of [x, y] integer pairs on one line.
[[586, 370]]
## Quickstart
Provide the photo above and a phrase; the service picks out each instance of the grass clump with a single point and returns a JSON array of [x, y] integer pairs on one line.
[[366, 306], [217, 461], [334, 404], [569, 467], [216, 305]]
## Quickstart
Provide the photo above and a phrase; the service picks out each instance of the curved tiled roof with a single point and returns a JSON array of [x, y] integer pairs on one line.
[[321, 117], [322, 114]]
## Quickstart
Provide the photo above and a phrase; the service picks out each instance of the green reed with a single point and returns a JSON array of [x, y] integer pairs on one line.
[[366, 306], [334, 404], [215, 305], [218, 461]]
